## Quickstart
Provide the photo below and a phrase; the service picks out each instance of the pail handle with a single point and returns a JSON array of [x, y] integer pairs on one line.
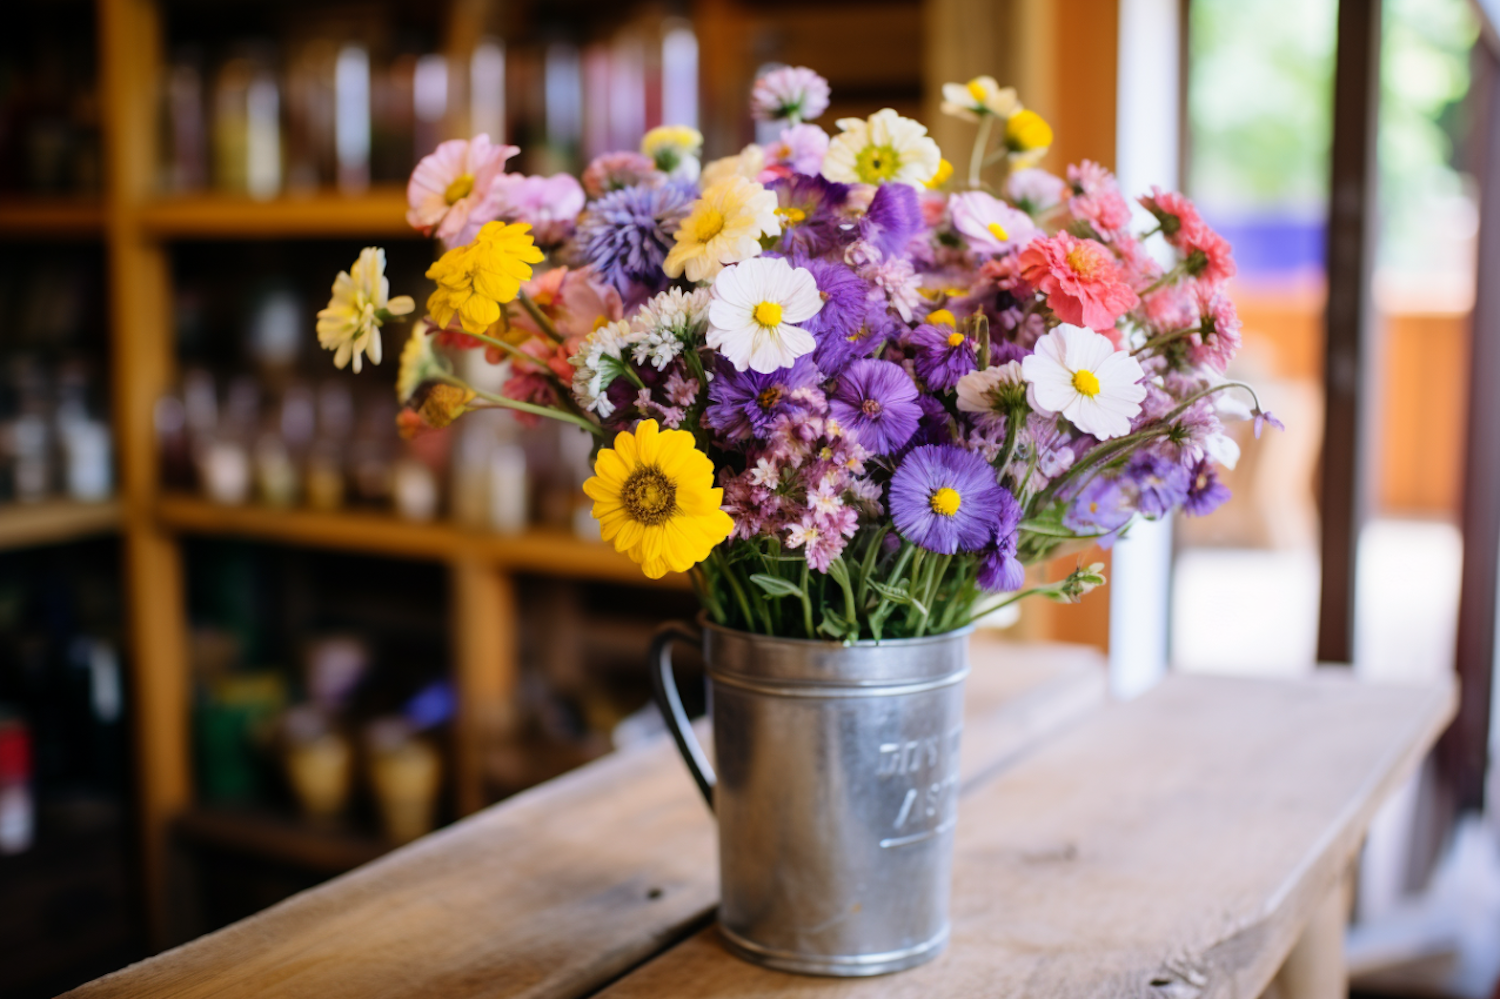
[[664, 685]]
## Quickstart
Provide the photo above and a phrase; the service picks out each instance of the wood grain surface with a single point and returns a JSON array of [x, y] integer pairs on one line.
[[1174, 847], [560, 889]]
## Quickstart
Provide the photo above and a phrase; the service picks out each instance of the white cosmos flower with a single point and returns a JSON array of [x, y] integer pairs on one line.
[[1078, 373], [756, 306], [361, 303], [992, 391], [884, 147], [980, 96], [989, 224]]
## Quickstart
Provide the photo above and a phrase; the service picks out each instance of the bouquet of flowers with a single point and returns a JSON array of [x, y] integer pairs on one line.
[[850, 395]]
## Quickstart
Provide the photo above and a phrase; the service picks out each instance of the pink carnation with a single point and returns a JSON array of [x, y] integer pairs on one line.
[[449, 191], [612, 171], [1174, 212], [549, 204], [1218, 339], [1083, 283], [1206, 255], [1097, 199]]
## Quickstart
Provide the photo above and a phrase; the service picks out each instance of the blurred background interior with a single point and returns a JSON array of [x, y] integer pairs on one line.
[[250, 639]]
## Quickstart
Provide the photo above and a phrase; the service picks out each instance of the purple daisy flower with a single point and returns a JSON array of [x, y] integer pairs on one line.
[[935, 427], [1205, 492], [842, 326], [943, 355], [1103, 507], [746, 403], [999, 569], [1161, 483], [626, 234], [876, 402], [947, 500], [809, 213], [893, 218]]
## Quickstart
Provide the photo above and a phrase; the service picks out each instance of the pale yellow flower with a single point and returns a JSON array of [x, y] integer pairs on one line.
[[361, 303], [675, 149], [980, 96], [884, 147], [723, 227], [419, 362]]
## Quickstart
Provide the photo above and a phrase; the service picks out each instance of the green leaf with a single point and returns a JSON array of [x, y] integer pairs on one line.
[[776, 586], [833, 627], [1046, 528], [895, 594], [839, 571]]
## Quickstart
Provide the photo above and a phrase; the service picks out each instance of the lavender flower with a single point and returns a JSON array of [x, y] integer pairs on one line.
[[791, 93], [935, 427], [943, 355], [947, 500], [1263, 417], [1103, 507], [893, 218], [809, 213], [841, 327], [745, 403], [1000, 571], [613, 171], [627, 233], [876, 403], [1205, 492]]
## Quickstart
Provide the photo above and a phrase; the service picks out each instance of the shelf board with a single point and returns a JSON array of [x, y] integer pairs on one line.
[[286, 839], [57, 217], [379, 213], [539, 551], [28, 525]]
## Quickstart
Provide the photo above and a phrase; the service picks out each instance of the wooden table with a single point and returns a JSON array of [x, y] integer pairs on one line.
[[1177, 846]]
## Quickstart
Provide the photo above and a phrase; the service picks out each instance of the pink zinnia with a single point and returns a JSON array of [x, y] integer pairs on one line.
[[1206, 255], [1218, 339], [1097, 199], [449, 189], [1174, 212], [1083, 283], [612, 171], [549, 204]]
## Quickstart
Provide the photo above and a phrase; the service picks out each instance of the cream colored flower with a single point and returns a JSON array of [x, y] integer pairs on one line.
[[884, 147], [980, 96], [994, 391], [748, 164], [723, 227], [675, 149], [1080, 374], [753, 317], [360, 305]]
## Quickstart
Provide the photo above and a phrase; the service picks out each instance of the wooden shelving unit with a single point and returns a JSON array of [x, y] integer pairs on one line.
[[376, 214], [27, 525], [51, 218]]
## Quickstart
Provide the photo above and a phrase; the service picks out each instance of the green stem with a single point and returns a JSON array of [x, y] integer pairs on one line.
[[934, 579], [807, 624], [543, 323], [884, 607], [1012, 430], [872, 553], [527, 407], [981, 142], [727, 571]]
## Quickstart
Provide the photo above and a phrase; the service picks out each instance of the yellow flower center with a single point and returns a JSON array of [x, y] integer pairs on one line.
[[945, 501], [944, 171], [941, 317], [1086, 382], [876, 164], [791, 216], [1084, 260], [460, 188], [708, 225], [976, 91], [768, 398], [768, 314], [955, 338], [998, 231], [1027, 130], [649, 497], [600, 321]]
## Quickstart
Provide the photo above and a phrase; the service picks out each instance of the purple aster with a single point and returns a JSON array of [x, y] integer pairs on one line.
[[999, 569], [935, 427], [1205, 492], [893, 218], [626, 234], [947, 500], [943, 355], [746, 403], [876, 402], [1161, 483], [809, 213], [841, 327], [1102, 508]]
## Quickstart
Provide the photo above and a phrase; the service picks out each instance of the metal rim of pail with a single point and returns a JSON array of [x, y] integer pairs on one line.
[[836, 966]]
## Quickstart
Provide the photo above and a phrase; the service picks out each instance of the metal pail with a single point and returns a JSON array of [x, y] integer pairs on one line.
[[836, 793]]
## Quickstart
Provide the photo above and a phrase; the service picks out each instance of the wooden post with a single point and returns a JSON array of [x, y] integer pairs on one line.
[[1351, 246], [129, 48], [486, 637], [1315, 968], [1465, 746]]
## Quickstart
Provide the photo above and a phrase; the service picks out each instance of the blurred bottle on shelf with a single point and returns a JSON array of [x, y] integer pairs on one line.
[[50, 445], [319, 763], [247, 127], [405, 772], [17, 809]]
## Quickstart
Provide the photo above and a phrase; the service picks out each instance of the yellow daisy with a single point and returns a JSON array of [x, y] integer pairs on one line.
[[655, 500], [474, 281], [723, 227]]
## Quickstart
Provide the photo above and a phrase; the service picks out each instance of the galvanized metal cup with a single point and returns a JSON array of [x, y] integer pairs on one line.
[[836, 792]]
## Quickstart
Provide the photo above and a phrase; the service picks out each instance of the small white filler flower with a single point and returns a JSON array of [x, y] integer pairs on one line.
[[756, 306], [1080, 374]]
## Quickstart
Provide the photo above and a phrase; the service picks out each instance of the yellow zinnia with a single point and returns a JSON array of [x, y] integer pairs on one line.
[[655, 499], [474, 281]]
